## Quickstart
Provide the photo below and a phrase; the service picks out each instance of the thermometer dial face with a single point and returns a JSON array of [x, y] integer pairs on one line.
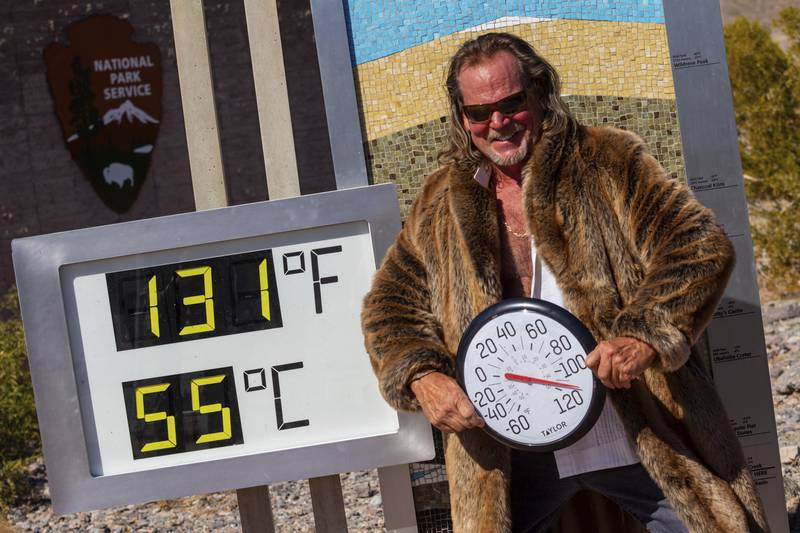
[[522, 363]]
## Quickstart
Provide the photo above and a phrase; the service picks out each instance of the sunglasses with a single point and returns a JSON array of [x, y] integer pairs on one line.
[[509, 105]]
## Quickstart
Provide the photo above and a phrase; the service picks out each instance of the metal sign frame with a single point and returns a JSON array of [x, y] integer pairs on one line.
[[38, 262]]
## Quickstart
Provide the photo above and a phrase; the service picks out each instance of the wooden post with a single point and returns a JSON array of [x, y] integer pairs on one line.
[[399, 513], [328, 504], [255, 511], [280, 161], [341, 112]]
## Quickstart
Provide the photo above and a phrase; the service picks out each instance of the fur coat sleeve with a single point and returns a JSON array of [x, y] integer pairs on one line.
[[686, 258], [402, 335]]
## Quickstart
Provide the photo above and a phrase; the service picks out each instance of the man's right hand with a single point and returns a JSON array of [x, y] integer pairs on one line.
[[444, 404]]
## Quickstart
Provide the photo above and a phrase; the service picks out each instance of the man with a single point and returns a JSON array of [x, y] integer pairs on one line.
[[529, 202]]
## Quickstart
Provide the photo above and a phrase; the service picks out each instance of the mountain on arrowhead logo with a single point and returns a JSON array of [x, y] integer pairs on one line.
[[129, 112], [107, 94]]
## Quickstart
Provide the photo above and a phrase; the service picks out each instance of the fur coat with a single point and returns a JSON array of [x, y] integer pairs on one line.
[[634, 254]]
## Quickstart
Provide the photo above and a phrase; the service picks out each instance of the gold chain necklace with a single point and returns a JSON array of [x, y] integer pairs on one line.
[[514, 233]]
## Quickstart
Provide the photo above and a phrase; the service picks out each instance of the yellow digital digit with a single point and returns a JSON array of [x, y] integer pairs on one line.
[[211, 408], [152, 292], [199, 299], [264, 285], [171, 441]]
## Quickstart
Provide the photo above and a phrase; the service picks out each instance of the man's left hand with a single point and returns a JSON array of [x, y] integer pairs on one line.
[[619, 361]]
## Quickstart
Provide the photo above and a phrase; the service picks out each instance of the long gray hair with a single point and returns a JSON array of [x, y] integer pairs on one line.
[[539, 79]]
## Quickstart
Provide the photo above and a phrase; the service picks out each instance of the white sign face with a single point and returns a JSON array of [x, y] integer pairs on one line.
[[225, 349], [210, 351]]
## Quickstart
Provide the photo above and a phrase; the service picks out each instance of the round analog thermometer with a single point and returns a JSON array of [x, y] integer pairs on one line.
[[522, 363]]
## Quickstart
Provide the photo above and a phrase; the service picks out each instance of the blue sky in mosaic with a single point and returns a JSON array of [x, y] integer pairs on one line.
[[383, 27]]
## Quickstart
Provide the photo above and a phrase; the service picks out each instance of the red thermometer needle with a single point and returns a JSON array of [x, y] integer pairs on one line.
[[529, 379]]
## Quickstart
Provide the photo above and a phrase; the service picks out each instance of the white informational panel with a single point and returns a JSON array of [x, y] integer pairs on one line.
[[209, 351]]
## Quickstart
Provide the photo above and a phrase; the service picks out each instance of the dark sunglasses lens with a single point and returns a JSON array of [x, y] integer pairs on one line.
[[512, 104], [507, 106], [478, 113]]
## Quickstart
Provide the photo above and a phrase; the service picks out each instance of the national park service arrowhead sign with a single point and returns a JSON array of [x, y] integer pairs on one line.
[[107, 94]]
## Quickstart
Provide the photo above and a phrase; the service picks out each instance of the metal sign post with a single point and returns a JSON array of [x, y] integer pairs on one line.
[[714, 171]]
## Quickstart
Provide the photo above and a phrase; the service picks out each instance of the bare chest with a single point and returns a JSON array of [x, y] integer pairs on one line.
[[516, 270]]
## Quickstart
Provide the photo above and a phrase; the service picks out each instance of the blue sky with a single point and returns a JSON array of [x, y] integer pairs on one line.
[[384, 27]]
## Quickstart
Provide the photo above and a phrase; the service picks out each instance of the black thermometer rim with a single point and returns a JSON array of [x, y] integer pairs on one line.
[[575, 326]]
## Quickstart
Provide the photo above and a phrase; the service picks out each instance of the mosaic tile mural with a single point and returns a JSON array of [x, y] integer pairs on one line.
[[615, 70], [612, 57]]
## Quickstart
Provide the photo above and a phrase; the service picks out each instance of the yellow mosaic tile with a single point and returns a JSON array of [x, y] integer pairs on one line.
[[593, 58]]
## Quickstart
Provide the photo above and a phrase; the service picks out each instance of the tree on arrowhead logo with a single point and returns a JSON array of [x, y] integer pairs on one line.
[[107, 95]]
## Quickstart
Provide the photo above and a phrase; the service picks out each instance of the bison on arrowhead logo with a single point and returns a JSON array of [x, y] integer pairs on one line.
[[107, 94]]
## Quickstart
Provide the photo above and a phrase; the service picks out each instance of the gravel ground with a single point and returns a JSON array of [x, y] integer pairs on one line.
[[291, 502], [782, 333], [291, 507]]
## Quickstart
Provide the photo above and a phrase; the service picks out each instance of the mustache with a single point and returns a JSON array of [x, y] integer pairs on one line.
[[494, 134]]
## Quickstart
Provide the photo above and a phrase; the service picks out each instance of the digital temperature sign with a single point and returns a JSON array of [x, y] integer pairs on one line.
[[210, 351], [216, 296], [182, 413]]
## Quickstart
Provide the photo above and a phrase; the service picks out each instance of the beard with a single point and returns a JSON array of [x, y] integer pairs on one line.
[[517, 156]]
